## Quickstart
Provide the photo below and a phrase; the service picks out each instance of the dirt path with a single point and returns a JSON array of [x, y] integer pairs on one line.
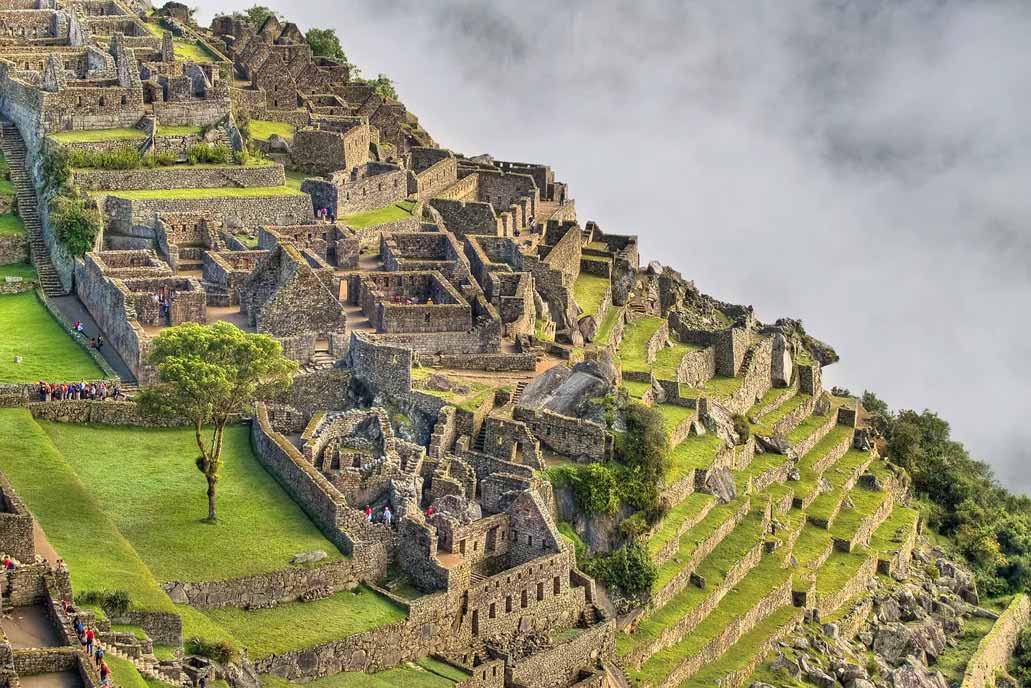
[[43, 546]]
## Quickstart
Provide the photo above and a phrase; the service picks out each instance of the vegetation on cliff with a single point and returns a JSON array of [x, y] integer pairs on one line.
[[961, 497]]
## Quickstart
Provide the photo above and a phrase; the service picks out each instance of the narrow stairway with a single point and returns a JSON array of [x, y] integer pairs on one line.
[[14, 150]]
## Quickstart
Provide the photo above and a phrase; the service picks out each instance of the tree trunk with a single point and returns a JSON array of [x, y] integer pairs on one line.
[[211, 499]]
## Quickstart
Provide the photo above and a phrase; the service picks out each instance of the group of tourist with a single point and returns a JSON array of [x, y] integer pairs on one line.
[[79, 329], [386, 517], [78, 391], [408, 301], [88, 639], [164, 298], [325, 215]]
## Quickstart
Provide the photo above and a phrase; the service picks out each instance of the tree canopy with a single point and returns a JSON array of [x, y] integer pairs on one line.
[[208, 374], [960, 497], [325, 43]]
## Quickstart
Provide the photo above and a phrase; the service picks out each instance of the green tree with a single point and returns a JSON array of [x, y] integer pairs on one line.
[[645, 446], [76, 222], [384, 86], [208, 374], [325, 43], [258, 14]]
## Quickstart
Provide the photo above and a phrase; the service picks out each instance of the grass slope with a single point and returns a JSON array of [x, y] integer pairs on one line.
[[303, 624], [11, 224], [146, 483], [47, 351], [98, 556], [589, 291], [96, 135], [379, 216]]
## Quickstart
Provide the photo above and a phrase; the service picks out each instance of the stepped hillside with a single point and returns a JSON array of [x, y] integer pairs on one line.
[[511, 454]]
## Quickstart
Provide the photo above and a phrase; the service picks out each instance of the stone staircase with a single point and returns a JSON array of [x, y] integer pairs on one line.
[[320, 360], [147, 664], [14, 150]]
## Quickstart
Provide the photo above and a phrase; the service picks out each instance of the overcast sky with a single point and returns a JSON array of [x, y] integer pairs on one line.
[[863, 165]]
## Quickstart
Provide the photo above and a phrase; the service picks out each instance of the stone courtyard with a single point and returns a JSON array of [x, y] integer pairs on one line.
[[472, 356]]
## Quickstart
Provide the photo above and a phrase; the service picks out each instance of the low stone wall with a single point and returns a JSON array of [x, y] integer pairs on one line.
[[776, 599], [488, 362], [14, 248], [828, 604], [569, 436], [268, 589], [15, 524], [868, 525], [703, 550], [100, 412], [739, 678], [995, 648], [181, 177], [814, 438], [697, 367], [164, 628], [47, 661], [562, 664], [673, 633], [252, 211], [793, 418]]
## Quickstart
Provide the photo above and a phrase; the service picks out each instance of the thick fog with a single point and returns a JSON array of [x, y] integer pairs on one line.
[[861, 165]]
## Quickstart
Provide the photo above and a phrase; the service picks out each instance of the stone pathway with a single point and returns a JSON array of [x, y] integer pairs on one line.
[[72, 309]]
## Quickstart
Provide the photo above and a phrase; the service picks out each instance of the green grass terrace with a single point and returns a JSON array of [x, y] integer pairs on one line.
[[264, 129], [98, 135], [589, 292], [633, 351], [47, 352], [424, 673], [379, 216], [127, 514]]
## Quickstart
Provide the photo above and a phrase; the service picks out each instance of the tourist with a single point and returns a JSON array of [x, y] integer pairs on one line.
[[100, 342], [98, 656], [203, 683], [42, 391], [79, 627], [9, 564], [93, 342], [429, 512], [368, 513], [90, 636], [104, 673], [387, 516]]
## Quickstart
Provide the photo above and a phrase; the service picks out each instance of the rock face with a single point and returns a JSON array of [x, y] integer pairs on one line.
[[906, 627], [567, 391]]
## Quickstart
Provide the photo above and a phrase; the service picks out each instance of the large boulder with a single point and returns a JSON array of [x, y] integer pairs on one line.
[[721, 484], [782, 367]]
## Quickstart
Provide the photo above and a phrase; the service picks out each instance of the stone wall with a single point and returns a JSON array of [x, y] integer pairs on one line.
[[251, 211], [697, 367], [100, 412], [488, 362], [561, 665], [181, 177], [277, 587], [467, 218], [828, 604], [568, 436], [382, 367], [16, 537], [14, 248], [108, 303], [730, 350]]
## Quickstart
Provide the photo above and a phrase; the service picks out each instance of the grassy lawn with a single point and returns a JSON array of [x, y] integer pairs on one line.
[[98, 556], [807, 427], [96, 135], [772, 395], [668, 358], [260, 528], [23, 270], [178, 131], [226, 192], [690, 540], [673, 415], [11, 224], [303, 624], [589, 291], [608, 323], [426, 673], [836, 476], [379, 216], [192, 52], [766, 423], [47, 351], [695, 452], [633, 350], [295, 178], [263, 129]]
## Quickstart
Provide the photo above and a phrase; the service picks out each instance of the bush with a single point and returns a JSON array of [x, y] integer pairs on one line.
[[56, 170], [208, 154], [645, 447], [76, 221], [741, 427], [1020, 668], [113, 603], [121, 158], [218, 650], [629, 569], [594, 485]]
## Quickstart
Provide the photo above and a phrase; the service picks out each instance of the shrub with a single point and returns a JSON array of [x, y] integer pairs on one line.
[[56, 169], [594, 485], [114, 603], [208, 154], [76, 221], [218, 650], [121, 158], [629, 569], [741, 427], [645, 446]]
